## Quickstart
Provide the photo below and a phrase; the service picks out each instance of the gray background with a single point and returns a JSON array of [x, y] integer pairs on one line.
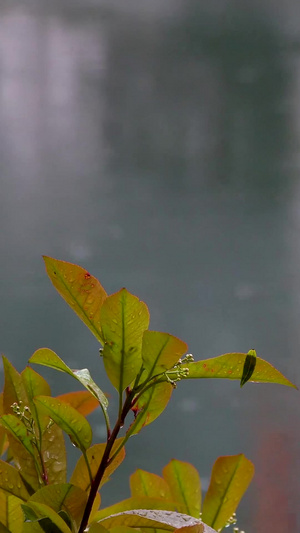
[[157, 145]]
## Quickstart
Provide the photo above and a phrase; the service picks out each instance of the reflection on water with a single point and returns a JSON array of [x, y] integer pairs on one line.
[[156, 151]]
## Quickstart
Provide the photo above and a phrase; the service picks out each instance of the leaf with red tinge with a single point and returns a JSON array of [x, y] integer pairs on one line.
[[80, 476], [83, 401], [124, 318], [140, 518], [150, 405], [161, 351], [184, 482], [230, 366], [230, 478], [82, 291], [68, 419]]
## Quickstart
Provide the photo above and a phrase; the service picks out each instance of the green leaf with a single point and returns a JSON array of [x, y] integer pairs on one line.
[[140, 518], [11, 514], [84, 293], [141, 502], [18, 430], [3, 437], [161, 351], [97, 528], [83, 401], [46, 357], [15, 393], [36, 385], [144, 483], [14, 390], [150, 405], [249, 366], [68, 419], [124, 318], [54, 454], [184, 482], [41, 510], [231, 476], [63, 497], [80, 476], [230, 366], [26, 463], [11, 481]]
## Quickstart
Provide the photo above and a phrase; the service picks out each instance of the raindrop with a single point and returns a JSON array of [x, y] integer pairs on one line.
[[57, 467]]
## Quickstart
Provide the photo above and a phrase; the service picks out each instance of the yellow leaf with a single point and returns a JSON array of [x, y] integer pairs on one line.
[[230, 478]]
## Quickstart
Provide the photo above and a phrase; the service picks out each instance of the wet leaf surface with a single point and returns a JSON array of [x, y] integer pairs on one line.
[[230, 478], [230, 366], [124, 318], [82, 291], [68, 419], [184, 482]]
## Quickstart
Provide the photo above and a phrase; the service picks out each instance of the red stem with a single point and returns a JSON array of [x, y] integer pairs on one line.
[[104, 463]]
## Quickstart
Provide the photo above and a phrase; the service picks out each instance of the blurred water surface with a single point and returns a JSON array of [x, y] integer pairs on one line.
[[156, 144]]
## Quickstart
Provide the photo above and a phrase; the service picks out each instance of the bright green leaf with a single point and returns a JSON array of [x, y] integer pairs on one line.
[[68, 419], [41, 510], [11, 514], [124, 318], [150, 405], [63, 497], [84, 293], [140, 518], [46, 357], [184, 482], [11, 481], [230, 366], [230, 478], [144, 483], [18, 430], [83, 401], [80, 476], [161, 351], [141, 502], [54, 454]]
